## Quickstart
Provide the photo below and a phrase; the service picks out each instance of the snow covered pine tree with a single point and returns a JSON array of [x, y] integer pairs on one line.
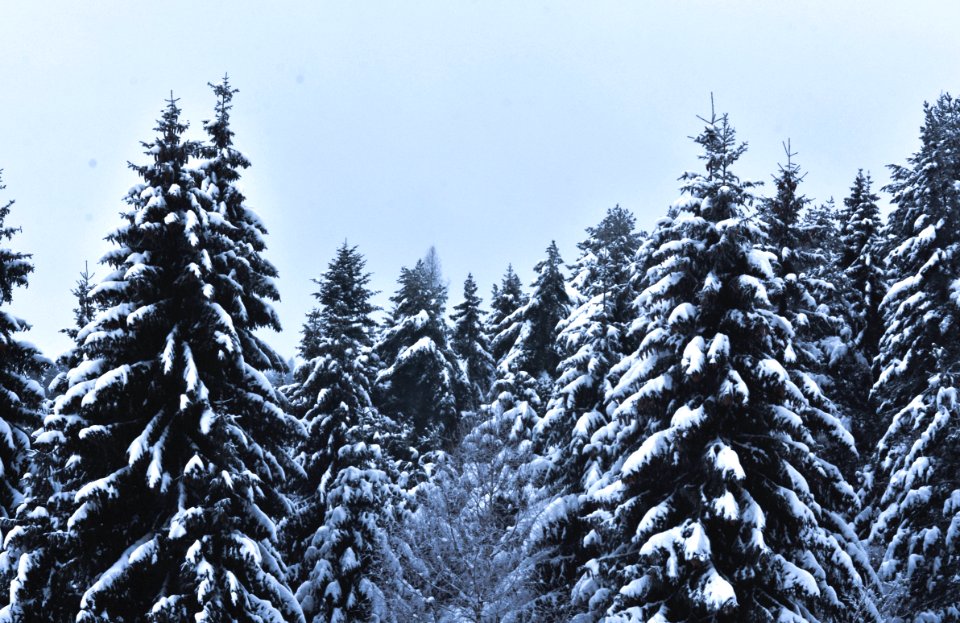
[[469, 341], [534, 349], [504, 301], [917, 488], [339, 526], [169, 424], [591, 339], [725, 509], [421, 385], [20, 405]]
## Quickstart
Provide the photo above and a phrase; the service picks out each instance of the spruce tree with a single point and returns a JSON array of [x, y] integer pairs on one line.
[[84, 312], [916, 491], [20, 413], [862, 265], [860, 280], [504, 301], [470, 343], [722, 506], [174, 435], [20, 365], [420, 384], [339, 525], [591, 339], [819, 344], [534, 349]]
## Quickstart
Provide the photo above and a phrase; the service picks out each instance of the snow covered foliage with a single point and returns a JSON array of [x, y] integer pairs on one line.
[[916, 487], [534, 324], [462, 550], [20, 365], [469, 341], [21, 400], [862, 263], [861, 284], [337, 533], [570, 434], [420, 384], [504, 301], [172, 434], [720, 504]]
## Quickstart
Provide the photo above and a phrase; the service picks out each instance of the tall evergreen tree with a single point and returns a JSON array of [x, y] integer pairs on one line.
[[470, 343], [723, 506], [173, 432], [862, 264], [20, 365], [420, 384], [591, 339], [504, 301], [534, 350], [819, 343], [860, 279], [338, 527], [917, 491]]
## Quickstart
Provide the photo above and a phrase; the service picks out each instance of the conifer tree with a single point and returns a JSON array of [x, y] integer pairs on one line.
[[470, 343], [721, 504], [420, 384], [174, 435], [916, 491], [21, 399], [591, 339], [84, 311], [20, 364], [862, 265], [820, 341], [860, 281], [504, 301], [534, 350], [338, 528]]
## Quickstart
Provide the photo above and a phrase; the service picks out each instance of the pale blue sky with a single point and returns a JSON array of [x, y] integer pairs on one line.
[[484, 128]]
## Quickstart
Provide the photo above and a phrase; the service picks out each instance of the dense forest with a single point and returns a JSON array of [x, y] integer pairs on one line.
[[749, 413]]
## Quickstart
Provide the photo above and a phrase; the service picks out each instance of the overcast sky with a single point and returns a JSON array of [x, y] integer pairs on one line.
[[484, 128]]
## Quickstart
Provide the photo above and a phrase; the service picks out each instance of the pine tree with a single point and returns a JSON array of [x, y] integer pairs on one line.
[[338, 529], [916, 492], [591, 339], [860, 281], [534, 350], [820, 340], [470, 343], [84, 312], [862, 265], [20, 409], [174, 435], [722, 505], [504, 301], [20, 364], [420, 384]]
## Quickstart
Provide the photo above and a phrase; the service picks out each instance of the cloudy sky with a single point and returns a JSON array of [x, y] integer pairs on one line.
[[485, 128]]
